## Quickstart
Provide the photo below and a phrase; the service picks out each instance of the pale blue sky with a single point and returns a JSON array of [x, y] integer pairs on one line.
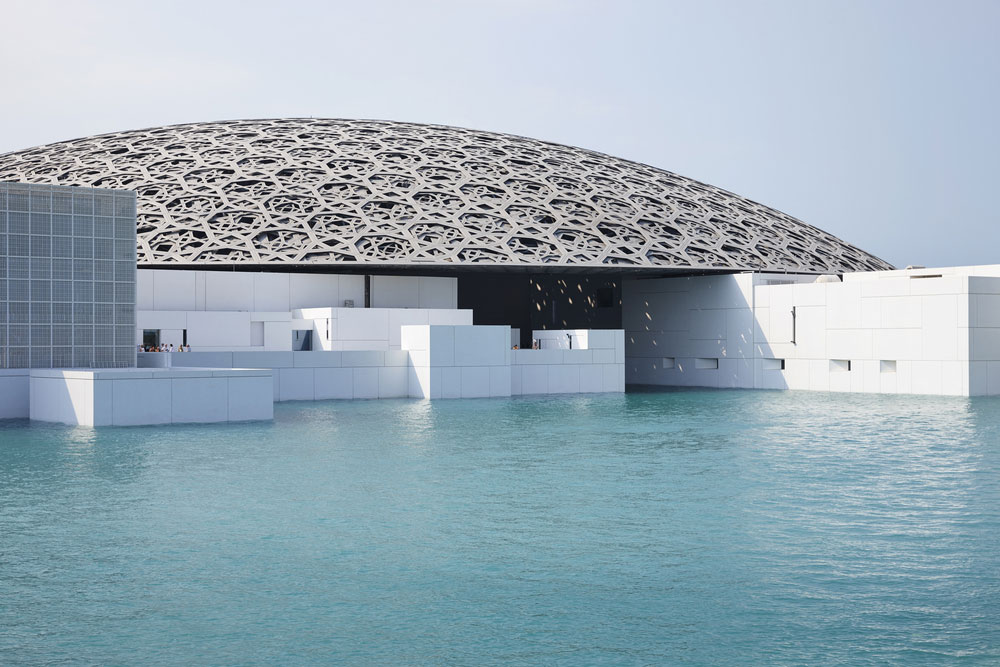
[[877, 121]]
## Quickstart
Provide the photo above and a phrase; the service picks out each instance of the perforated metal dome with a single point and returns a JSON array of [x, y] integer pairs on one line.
[[359, 193]]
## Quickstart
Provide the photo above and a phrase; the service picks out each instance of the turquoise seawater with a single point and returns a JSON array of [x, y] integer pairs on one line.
[[697, 527]]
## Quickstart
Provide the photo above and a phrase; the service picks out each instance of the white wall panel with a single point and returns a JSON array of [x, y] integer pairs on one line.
[[271, 292], [218, 329], [173, 290]]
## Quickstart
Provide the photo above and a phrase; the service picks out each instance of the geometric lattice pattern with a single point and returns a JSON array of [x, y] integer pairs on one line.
[[361, 192], [67, 277]]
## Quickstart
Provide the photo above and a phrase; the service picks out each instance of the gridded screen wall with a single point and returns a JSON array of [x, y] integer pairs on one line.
[[67, 277]]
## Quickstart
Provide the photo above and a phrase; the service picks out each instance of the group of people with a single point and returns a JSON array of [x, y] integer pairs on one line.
[[167, 347]]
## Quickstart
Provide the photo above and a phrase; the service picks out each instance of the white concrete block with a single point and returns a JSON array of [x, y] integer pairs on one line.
[[535, 379], [200, 399], [362, 358], [250, 398], [173, 289], [442, 345], [395, 292], [843, 306], [450, 317], [263, 359], [392, 382], [941, 344], [278, 335], [849, 343], [993, 378], [316, 359], [451, 382], [536, 357], [271, 292], [810, 332], [199, 290], [577, 357], [161, 319], [225, 290], [201, 360], [515, 381], [603, 356], [141, 401], [943, 285], [415, 337], [402, 317], [819, 374], [564, 379], [708, 324], [366, 382], [591, 379], [475, 381], [316, 290], [58, 400], [926, 377], [479, 345], [903, 312], [218, 329], [739, 332], [871, 313], [811, 294], [987, 310], [438, 292], [361, 345], [952, 378], [500, 381], [295, 384], [985, 344], [614, 377], [603, 339], [418, 382], [978, 378], [898, 343], [363, 324], [351, 287], [941, 312], [841, 381], [397, 358], [435, 382], [330, 383], [886, 287]]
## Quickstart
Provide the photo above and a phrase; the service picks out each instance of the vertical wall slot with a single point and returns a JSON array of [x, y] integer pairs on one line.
[[793, 325]]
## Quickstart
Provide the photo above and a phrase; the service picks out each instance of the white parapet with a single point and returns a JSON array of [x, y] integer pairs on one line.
[[138, 396], [597, 366]]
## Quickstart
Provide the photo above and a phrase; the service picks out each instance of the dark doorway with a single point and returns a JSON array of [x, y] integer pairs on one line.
[[150, 338], [542, 301]]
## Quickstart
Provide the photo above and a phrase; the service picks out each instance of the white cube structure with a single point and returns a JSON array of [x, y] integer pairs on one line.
[[140, 396], [917, 331]]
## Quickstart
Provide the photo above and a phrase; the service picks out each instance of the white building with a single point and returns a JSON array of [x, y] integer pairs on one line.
[[372, 259]]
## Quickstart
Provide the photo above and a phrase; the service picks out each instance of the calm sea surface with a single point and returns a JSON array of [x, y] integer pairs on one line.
[[700, 527]]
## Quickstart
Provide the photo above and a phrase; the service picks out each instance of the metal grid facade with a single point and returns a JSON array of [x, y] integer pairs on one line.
[[363, 194], [67, 277]]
